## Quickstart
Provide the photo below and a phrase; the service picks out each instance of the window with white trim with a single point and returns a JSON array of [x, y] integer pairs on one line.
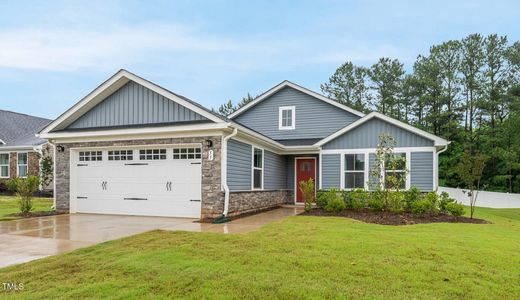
[[22, 164], [187, 153], [4, 165], [287, 118], [90, 156], [152, 154], [354, 171], [258, 168], [396, 168], [120, 155]]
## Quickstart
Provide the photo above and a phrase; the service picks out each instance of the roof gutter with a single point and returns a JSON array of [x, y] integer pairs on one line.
[[223, 171]]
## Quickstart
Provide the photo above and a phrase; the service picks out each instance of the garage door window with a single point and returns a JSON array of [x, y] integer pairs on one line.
[[186, 153], [152, 154], [120, 155], [90, 156]]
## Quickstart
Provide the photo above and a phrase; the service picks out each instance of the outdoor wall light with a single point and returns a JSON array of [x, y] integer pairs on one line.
[[209, 143], [60, 148]]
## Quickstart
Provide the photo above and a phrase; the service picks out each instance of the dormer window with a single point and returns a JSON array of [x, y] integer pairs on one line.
[[287, 118]]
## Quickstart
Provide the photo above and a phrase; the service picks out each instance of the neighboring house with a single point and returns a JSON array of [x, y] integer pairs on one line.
[[19, 146], [132, 147]]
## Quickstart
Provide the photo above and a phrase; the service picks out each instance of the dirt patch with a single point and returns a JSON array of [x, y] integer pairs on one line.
[[389, 218], [33, 214]]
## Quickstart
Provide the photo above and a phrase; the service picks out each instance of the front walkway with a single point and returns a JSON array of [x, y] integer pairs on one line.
[[28, 239]]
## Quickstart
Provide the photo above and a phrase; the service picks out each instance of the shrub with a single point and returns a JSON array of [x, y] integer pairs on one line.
[[321, 198], [444, 200], [420, 207], [376, 201], [396, 202], [433, 199], [410, 197], [356, 199], [335, 204], [455, 209], [307, 189], [24, 188]]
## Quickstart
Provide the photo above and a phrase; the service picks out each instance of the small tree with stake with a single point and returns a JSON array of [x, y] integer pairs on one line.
[[308, 193], [470, 169], [24, 188]]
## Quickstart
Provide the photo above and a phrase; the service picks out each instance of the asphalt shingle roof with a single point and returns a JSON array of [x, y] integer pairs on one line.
[[19, 130]]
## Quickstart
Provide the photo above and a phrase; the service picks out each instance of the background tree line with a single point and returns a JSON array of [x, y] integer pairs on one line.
[[466, 91]]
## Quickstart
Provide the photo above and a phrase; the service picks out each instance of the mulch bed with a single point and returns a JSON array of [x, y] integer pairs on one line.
[[389, 218], [34, 214]]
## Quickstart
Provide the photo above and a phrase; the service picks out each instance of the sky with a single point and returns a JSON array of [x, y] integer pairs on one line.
[[53, 53]]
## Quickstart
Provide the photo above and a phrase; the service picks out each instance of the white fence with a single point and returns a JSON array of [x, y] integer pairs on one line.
[[485, 199]]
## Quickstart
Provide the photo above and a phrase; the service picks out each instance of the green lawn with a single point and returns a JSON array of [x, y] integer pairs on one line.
[[9, 205], [301, 257]]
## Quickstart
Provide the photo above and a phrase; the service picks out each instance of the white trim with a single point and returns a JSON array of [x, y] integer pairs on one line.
[[2, 142], [437, 140], [223, 169], [111, 85], [287, 83], [133, 131], [281, 109], [8, 165], [296, 158], [253, 168], [18, 165], [397, 149], [141, 147], [19, 148], [320, 170], [365, 170]]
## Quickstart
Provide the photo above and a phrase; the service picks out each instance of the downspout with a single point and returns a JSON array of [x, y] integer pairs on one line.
[[53, 173], [223, 170], [437, 167]]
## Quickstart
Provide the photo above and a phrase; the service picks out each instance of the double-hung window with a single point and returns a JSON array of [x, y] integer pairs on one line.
[[287, 118], [258, 168], [354, 171], [4, 165], [395, 171], [22, 164]]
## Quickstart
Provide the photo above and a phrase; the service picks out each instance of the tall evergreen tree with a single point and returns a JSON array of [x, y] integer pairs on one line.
[[387, 79]]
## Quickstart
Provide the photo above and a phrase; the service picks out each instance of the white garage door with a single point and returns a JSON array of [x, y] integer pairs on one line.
[[158, 181]]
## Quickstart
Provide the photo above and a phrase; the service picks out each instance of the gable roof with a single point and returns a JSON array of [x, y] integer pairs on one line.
[[110, 86], [285, 84], [438, 141], [18, 129]]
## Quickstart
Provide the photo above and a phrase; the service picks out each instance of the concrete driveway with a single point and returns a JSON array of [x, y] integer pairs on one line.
[[28, 239]]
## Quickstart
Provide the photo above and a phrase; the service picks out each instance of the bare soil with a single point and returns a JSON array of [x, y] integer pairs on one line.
[[390, 218]]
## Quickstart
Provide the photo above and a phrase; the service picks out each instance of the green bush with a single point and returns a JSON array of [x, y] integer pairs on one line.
[[376, 201], [335, 204], [444, 200], [410, 197], [455, 209], [433, 199], [396, 202], [321, 198], [420, 207], [307, 189], [356, 199], [24, 188]]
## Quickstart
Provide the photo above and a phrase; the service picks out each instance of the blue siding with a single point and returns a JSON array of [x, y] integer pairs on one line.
[[314, 118], [134, 104], [421, 173], [367, 136], [275, 177], [372, 181], [330, 171], [239, 166]]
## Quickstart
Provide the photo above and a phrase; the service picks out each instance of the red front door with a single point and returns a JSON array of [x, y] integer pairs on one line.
[[305, 169]]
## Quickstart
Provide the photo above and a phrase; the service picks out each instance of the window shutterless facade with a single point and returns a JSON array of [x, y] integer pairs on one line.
[[258, 169], [286, 118], [354, 171], [22, 164], [395, 172], [4, 165]]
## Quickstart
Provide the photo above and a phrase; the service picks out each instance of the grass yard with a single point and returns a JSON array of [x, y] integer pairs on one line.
[[301, 257], [9, 205]]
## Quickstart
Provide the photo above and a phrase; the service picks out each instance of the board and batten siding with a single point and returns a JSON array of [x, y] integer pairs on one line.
[[367, 136], [421, 170], [314, 118], [134, 104], [330, 171], [239, 167]]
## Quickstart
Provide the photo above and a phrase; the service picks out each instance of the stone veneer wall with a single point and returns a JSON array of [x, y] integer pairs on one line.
[[242, 202], [212, 196]]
